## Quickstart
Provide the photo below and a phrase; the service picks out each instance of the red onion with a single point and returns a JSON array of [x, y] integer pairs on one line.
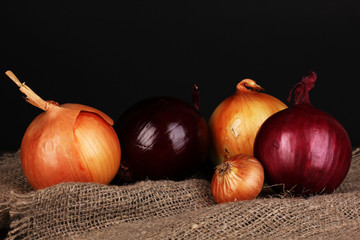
[[302, 148], [162, 138]]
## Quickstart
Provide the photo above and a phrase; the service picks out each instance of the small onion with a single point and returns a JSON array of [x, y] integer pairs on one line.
[[240, 177], [302, 148], [234, 123], [67, 143]]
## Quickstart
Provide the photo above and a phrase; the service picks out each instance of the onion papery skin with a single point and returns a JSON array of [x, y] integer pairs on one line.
[[70, 143], [162, 138], [303, 149], [239, 178], [235, 121]]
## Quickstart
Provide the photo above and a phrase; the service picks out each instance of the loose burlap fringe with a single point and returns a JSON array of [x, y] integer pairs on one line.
[[172, 210]]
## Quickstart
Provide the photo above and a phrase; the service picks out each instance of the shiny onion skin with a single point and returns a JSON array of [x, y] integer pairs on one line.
[[239, 178], [68, 143], [162, 138], [303, 149], [235, 121]]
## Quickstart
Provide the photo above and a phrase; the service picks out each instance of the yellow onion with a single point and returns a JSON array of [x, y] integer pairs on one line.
[[235, 121], [239, 178], [67, 143]]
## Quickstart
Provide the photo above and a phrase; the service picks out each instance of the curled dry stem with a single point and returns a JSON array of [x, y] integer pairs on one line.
[[31, 96], [248, 85]]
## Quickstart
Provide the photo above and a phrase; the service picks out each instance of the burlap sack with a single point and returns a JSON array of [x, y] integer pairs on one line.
[[171, 210]]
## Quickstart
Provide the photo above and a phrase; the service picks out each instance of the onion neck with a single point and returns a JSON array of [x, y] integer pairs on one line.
[[248, 85], [196, 97], [31, 96], [301, 89], [223, 168]]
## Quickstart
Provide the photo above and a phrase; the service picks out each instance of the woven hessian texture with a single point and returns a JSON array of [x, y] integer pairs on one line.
[[171, 210]]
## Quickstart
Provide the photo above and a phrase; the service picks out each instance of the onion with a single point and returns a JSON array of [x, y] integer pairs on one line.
[[240, 177], [234, 123], [303, 148], [162, 138], [67, 143]]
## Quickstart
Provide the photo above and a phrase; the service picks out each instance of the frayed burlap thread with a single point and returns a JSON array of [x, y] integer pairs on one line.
[[180, 210]]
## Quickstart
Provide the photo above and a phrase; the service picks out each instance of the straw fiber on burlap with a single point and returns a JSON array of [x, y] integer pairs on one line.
[[171, 210]]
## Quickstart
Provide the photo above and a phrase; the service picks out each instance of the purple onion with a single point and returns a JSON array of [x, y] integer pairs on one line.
[[162, 138], [303, 149]]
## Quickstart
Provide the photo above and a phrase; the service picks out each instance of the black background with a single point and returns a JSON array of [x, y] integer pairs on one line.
[[111, 54]]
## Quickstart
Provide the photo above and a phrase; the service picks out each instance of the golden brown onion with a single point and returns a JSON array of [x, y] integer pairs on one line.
[[68, 143], [239, 178], [234, 123]]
